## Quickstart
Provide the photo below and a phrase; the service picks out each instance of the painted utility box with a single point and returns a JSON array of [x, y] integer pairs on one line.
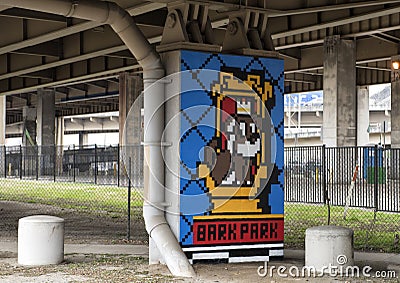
[[228, 134]]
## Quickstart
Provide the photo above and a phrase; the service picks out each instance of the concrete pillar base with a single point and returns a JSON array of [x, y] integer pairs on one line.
[[40, 240], [329, 248]]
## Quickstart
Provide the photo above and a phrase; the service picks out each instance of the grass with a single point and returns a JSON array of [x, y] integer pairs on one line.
[[78, 196], [369, 233]]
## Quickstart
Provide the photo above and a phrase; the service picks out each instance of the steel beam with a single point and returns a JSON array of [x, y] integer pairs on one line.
[[134, 11], [335, 23], [330, 8], [32, 15], [70, 80], [63, 62]]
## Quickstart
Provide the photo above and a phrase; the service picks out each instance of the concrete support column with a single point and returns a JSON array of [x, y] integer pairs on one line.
[[3, 106], [60, 132], [59, 144], [395, 109], [340, 112], [46, 126], [29, 130], [362, 115], [130, 88], [83, 139], [46, 117]]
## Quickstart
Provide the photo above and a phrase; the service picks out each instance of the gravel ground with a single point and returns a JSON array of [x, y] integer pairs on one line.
[[80, 228], [85, 268], [124, 268]]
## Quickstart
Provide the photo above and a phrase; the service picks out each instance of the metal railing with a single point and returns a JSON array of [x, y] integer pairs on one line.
[[106, 183], [357, 187], [314, 174], [100, 165]]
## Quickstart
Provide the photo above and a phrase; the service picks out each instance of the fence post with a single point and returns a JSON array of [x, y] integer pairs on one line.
[[119, 163], [73, 162], [376, 176], [37, 162], [323, 163], [95, 163], [54, 162], [128, 235], [326, 195], [5, 162], [20, 162]]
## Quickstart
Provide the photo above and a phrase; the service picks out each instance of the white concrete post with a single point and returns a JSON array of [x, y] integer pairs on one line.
[[3, 120], [362, 115]]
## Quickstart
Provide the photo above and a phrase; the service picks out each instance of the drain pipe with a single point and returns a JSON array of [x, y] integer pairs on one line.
[[123, 24]]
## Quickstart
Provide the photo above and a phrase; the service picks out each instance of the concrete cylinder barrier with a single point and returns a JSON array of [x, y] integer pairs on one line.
[[40, 240], [329, 248]]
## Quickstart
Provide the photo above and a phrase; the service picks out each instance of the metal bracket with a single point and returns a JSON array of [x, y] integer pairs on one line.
[[248, 29], [174, 29], [235, 36], [187, 22]]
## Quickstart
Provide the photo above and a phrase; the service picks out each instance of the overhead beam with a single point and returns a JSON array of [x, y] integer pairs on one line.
[[32, 15], [387, 37], [234, 7], [335, 23], [63, 62], [99, 84], [43, 74], [301, 77], [71, 80], [48, 37], [79, 87], [50, 49], [330, 8], [134, 11], [72, 60], [352, 35], [381, 37], [373, 68], [125, 54]]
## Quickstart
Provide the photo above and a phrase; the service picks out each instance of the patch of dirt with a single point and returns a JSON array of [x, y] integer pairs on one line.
[[85, 268], [80, 227], [121, 269]]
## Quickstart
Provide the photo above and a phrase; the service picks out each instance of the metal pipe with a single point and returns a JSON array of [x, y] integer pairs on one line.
[[123, 24]]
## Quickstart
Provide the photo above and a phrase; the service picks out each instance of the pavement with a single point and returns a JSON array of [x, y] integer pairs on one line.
[[377, 261], [135, 250]]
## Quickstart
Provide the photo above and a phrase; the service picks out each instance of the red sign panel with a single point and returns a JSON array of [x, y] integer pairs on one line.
[[240, 231]]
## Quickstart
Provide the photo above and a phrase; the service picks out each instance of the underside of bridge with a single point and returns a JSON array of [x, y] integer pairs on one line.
[[55, 64], [82, 60]]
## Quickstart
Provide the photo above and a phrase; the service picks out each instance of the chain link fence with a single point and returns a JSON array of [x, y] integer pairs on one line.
[[98, 191], [356, 187], [87, 186]]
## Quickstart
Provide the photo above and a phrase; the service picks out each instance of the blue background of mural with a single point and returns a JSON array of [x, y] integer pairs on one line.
[[198, 127]]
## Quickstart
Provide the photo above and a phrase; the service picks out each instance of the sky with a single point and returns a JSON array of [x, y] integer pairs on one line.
[[376, 88]]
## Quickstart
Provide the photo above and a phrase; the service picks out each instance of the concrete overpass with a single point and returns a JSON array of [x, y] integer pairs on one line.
[[82, 61], [309, 133], [54, 64]]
